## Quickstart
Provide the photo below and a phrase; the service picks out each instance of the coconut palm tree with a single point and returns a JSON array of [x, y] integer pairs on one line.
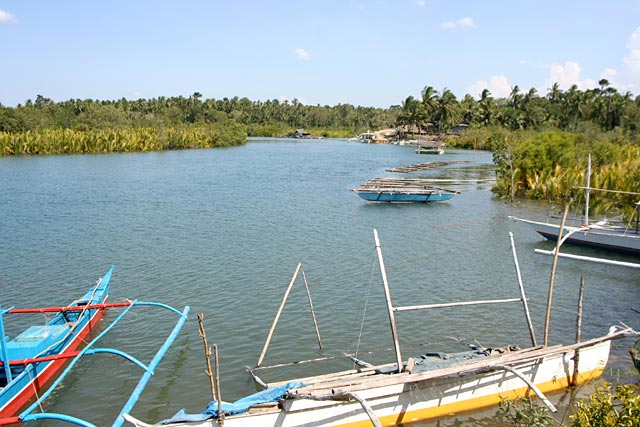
[[412, 114]]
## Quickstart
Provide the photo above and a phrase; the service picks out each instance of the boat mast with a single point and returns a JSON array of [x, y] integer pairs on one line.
[[586, 208], [387, 294]]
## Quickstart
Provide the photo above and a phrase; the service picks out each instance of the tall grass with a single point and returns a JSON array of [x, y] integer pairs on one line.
[[70, 141]]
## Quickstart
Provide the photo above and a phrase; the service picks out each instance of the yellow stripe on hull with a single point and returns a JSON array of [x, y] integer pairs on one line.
[[475, 403]]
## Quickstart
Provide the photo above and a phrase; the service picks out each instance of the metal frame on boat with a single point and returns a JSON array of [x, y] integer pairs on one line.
[[34, 358], [420, 388]]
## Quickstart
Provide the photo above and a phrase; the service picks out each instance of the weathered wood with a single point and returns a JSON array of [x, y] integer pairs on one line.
[[425, 165], [553, 275], [576, 357], [454, 304], [275, 321], [207, 354], [387, 293], [522, 356], [220, 411], [522, 293], [313, 313]]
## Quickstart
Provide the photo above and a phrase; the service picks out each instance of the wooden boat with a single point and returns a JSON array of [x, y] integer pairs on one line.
[[402, 191], [34, 363], [29, 360], [599, 235], [422, 388]]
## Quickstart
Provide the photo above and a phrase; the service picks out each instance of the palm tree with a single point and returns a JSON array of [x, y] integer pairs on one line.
[[446, 112], [429, 99], [412, 114]]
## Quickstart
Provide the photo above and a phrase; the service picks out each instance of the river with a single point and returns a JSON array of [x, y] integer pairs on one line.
[[222, 230]]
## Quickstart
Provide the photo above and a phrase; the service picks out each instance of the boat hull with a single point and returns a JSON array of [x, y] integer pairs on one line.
[[427, 398], [599, 238], [397, 197], [36, 377]]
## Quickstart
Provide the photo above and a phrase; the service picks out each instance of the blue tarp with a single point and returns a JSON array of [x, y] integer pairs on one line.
[[238, 407]]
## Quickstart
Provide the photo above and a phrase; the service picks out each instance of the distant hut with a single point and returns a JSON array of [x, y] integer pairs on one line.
[[459, 128]]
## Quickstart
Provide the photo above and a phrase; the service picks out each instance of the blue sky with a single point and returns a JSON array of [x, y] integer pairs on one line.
[[362, 52]]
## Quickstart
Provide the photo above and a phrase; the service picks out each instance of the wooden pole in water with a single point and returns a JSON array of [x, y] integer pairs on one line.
[[522, 294], [220, 411], [207, 354], [313, 313], [275, 321], [387, 294], [553, 275], [576, 357]]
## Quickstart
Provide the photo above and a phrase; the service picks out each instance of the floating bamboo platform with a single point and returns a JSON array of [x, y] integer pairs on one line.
[[426, 165]]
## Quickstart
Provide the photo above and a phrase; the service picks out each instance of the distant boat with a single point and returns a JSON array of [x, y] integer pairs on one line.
[[402, 191], [370, 138], [430, 148], [404, 391], [599, 235]]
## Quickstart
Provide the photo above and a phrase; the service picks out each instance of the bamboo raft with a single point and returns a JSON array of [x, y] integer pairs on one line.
[[426, 165]]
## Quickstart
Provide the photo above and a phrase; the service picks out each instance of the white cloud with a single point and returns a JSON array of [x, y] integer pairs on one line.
[[498, 86], [567, 75], [465, 22], [7, 18], [422, 3], [633, 59], [302, 54], [462, 22]]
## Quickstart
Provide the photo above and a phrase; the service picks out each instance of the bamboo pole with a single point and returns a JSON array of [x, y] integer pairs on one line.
[[220, 411], [576, 358], [387, 294], [207, 354], [553, 275], [275, 321], [522, 293], [454, 304], [313, 313]]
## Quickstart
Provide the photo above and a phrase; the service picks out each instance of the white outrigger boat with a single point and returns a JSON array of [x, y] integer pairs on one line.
[[426, 387], [600, 235]]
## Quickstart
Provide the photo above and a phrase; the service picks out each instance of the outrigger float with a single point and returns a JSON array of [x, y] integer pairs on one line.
[[421, 388], [407, 190], [33, 359]]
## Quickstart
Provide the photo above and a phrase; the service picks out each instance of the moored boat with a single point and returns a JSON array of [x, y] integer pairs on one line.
[[599, 235], [36, 361], [402, 191], [420, 388], [31, 359]]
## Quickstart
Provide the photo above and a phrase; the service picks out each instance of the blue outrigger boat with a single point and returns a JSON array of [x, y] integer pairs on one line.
[[31, 361], [402, 191]]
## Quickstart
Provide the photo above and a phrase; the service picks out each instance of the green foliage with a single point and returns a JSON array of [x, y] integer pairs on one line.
[[551, 165], [69, 141], [525, 413], [609, 406]]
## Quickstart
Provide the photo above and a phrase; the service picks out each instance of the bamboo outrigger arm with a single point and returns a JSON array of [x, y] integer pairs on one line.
[[27, 415]]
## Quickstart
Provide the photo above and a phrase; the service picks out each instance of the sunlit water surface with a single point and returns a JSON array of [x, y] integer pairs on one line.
[[222, 230]]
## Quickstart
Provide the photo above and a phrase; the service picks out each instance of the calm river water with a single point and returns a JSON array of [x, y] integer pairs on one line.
[[222, 230]]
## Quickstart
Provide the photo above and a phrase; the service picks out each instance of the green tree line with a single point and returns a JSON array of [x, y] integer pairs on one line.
[[540, 142]]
